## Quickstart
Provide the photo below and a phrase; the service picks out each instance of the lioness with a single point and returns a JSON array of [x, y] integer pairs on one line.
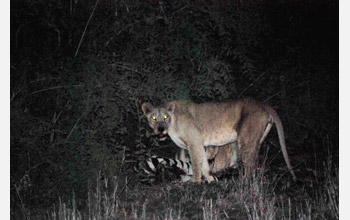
[[193, 126]]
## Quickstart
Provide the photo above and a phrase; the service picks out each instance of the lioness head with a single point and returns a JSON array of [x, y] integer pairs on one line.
[[159, 118]]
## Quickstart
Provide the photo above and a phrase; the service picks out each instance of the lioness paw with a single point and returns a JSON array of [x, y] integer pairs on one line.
[[210, 179], [196, 180]]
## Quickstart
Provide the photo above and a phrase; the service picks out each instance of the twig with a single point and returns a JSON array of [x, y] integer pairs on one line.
[[126, 27], [252, 84], [123, 29], [299, 85], [18, 30], [87, 24], [52, 88], [14, 95], [126, 67], [22, 204], [75, 125], [56, 29]]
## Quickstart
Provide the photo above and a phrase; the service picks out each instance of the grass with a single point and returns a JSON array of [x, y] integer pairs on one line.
[[258, 197]]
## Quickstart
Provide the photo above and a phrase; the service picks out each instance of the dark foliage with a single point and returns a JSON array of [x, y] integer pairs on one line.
[[80, 71]]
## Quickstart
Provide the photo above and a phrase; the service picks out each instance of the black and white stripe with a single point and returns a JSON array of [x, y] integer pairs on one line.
[[168, 169]]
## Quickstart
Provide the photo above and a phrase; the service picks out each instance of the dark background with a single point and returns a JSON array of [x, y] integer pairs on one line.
[[80, 72]]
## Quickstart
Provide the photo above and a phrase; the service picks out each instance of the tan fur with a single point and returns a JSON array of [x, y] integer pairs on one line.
[[223, 157], [193, 126]]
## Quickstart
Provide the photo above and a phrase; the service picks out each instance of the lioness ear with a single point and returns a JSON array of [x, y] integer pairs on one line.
[[147, 108], [170, 107]]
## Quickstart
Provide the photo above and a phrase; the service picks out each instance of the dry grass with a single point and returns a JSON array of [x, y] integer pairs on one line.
[[234, 198]]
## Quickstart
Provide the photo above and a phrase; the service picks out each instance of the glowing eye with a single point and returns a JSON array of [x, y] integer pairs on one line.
[[165, 117], [154, 118]]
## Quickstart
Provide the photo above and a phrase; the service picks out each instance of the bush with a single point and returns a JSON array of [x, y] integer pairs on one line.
[[80, 71]]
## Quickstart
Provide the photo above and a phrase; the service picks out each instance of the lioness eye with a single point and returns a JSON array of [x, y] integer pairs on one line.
[[154, 118], [165, 117]]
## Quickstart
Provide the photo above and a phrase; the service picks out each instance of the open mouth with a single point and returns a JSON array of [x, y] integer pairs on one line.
[[162, 136]]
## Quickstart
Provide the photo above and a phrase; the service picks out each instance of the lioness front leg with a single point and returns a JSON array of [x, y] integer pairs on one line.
[[196, 160], [200, 164]]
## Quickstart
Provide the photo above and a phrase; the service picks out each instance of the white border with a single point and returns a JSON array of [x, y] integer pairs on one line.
[[5, 108]]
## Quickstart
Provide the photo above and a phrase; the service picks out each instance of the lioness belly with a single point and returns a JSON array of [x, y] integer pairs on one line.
[[220, 138]]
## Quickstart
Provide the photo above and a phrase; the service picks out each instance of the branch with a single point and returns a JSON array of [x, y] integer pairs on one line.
[[252, 84], [87, 24]]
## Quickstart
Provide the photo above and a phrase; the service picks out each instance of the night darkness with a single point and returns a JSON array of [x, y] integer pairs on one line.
[[80, 71]]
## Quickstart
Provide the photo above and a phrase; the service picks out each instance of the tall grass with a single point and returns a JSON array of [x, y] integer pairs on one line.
[[253, 198]]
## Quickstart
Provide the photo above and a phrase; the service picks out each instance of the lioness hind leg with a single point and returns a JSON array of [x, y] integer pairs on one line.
[[250, 137], [225, 157], [249, 159], [251, 150], [205, 169], [248, 154]]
